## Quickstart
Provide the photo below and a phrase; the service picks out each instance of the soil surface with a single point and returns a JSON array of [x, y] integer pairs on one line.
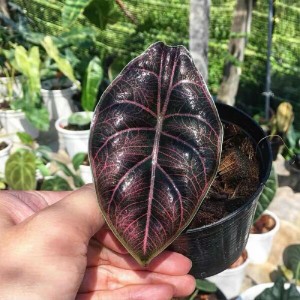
[[237, 178], [4, 105], [3, 145], [264, 224], [243, 257], [77, 127]]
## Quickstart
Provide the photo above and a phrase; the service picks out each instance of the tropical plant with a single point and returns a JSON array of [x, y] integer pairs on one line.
[[287, 273], [267, 194], [149, 150], [202, 285], [30, 164]]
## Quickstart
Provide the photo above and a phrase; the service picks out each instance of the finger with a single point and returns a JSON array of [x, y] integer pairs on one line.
[[167, 262], [132, 292], [111, 278], [107, 238], [78, 214]]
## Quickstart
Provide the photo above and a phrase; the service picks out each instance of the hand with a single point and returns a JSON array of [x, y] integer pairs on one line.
[[55, 245]]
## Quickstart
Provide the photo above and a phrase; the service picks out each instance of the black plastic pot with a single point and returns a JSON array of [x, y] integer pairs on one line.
[[214, 247]]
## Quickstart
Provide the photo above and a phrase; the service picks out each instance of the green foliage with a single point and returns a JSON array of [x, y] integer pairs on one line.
[[291, 259], [25, 138], [78, 182], [278, 292], [63, 64], [78, 160], [20, 170], [92, 80], [80, 119], [267, 194], [203, 285], [56, 183]]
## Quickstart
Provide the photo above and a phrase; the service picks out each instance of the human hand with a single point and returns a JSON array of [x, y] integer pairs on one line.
[[55, 245]]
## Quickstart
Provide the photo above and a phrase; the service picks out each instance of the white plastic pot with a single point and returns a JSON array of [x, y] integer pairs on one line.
[[259, 245], [59, 102], [17, 87], [254, 291], [230, 281], [4, 155], [73, 141], [14, 121], [86, 173]]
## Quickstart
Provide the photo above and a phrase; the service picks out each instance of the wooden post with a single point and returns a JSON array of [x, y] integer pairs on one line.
[[239, 30]]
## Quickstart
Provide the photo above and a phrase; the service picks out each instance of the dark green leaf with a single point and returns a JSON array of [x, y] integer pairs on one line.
[[25, 138], [205, 286], [78, 182], [291, 259], [20, 170], [72, 10], [78, 159], [56, 183], [92, 80], [267, 194], [66, 170], [99, 12], [278, 292], [115, 68]]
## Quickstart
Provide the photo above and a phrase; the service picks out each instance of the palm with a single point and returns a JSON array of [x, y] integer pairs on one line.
[[61, 254]]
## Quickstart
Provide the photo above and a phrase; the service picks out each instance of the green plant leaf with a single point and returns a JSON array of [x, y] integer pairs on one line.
[[92, 80], [56, 183], [25, 138], [78, 182], [205, 286], [63, 64], [99, 12], [39, 117], [20, 170], [79, 119], [72, 10], [78, 159], [267, 194], [278, 292], [115, 68], [291, 259]]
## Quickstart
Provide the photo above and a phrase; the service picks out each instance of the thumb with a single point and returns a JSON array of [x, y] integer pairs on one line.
[[78, 214]]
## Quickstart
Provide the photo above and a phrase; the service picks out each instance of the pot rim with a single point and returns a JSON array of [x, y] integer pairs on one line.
[[63, 121], [263, 235], [262, 180], [8, 147], [72, 87]]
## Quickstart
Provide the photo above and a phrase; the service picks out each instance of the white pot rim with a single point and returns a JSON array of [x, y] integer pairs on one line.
[[259, 236], [9, 145], [58, 91], [63, 121], [237, 269], [12, 112]]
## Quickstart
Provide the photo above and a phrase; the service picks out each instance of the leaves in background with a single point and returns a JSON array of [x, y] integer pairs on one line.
[[291, 259], [92, 80], [78, 160], [267, 194], [25, 138], [63, 64], [71, 11], [20, 170], [56, 183]]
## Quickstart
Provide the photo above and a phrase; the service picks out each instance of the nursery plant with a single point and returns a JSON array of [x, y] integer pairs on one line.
[[288, 273], [29, 168], [155, 149]]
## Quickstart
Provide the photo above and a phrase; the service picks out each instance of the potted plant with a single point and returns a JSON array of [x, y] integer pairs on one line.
[[287, 281], [31, 168], [230, 280], [265, 225], [74, 129], [58, 91], [81, 162], [155, 152], [26, 113], [278, 125]]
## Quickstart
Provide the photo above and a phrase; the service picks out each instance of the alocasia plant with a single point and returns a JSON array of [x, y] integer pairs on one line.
[[155, 147]]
